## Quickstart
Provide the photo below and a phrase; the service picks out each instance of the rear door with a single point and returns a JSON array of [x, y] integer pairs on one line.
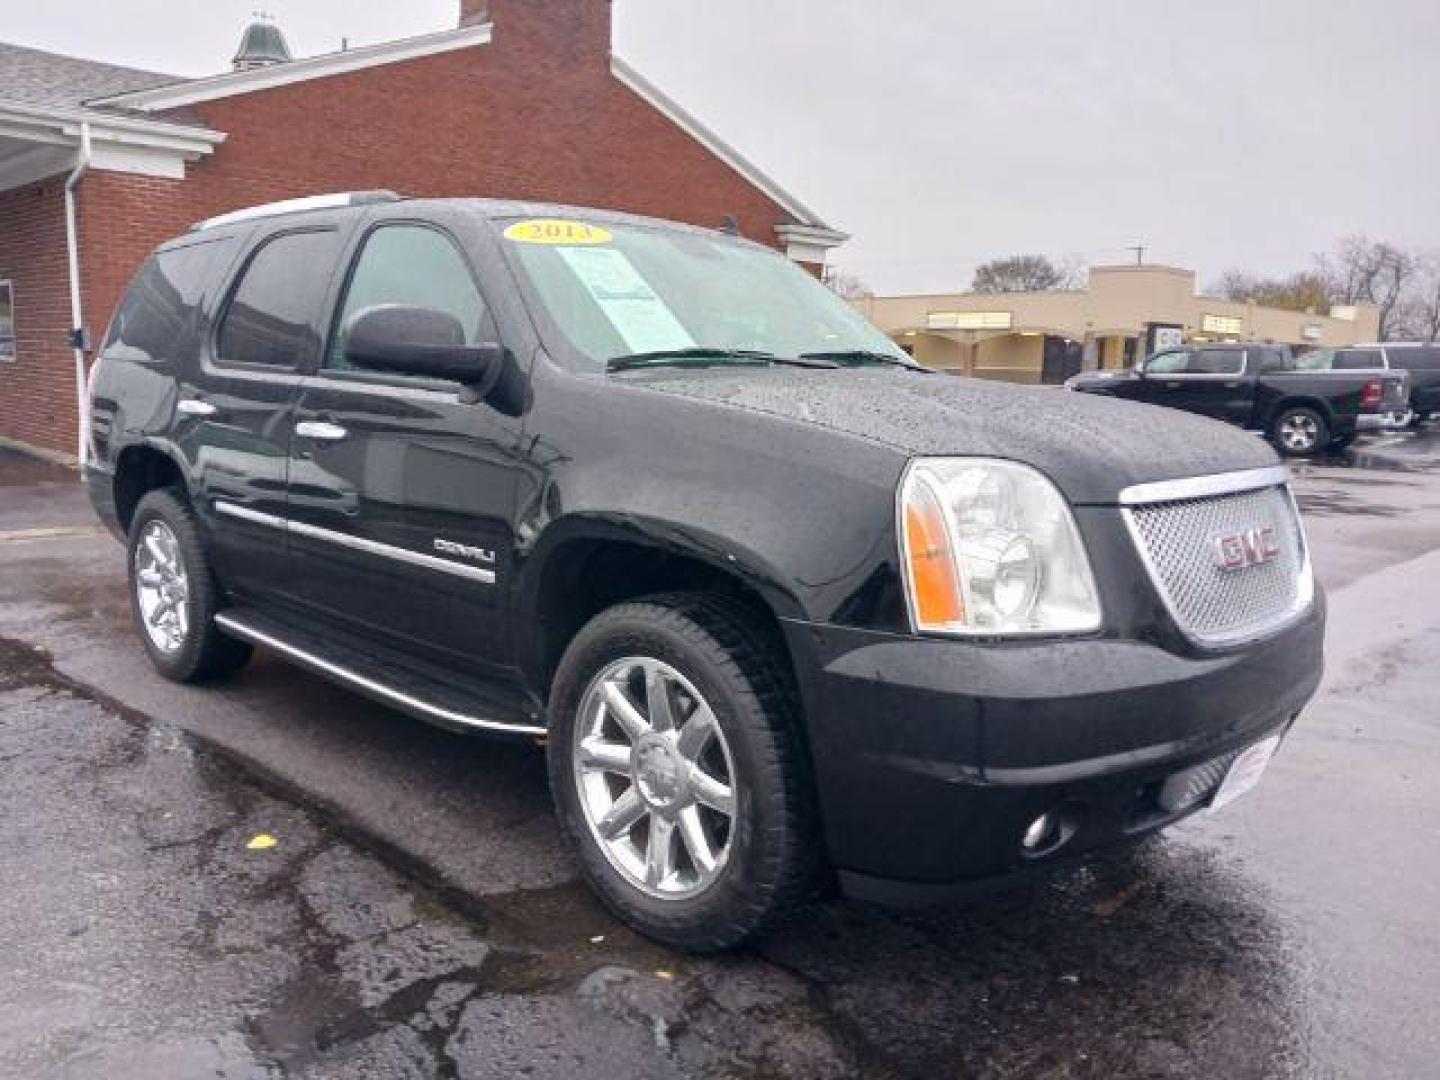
[[401, 494], [241, 407]]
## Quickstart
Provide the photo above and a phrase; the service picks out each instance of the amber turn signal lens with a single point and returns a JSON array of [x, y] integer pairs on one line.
[[933, 585]]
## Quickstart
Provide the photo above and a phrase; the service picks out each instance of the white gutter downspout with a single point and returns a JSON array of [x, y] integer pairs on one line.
[[77, 311]]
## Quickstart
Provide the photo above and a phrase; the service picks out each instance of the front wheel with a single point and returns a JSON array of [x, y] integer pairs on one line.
[[1300, 431], [678, 773]]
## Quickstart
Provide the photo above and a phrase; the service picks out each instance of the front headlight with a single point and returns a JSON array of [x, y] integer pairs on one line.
[[990, 548]]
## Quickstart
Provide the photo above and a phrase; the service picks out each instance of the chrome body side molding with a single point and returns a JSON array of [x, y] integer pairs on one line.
[[357, 543], [408, 702]]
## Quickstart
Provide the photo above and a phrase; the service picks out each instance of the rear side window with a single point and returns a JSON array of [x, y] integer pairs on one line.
[[1358, 360], [274, 315], [160, 315], [1216, 362]]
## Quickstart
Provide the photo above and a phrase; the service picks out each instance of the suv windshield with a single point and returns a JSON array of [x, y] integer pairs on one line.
[[622, 291]]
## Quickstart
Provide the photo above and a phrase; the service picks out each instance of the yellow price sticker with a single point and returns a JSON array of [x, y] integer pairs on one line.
[[557, 233]]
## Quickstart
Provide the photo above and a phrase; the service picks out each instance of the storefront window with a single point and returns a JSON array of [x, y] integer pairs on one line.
[[7, 321]]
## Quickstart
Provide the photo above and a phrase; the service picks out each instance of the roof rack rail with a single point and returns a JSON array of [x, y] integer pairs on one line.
[[295, 206]]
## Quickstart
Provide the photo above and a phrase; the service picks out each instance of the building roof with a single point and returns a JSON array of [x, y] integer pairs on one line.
[[262, 43], [37, 77]]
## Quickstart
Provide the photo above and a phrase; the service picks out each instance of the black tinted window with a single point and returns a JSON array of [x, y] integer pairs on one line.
[[1357, 360], [412, 265], [1216, 362], [1424, 359], [161, 309], [274, 314], [1272, 360]]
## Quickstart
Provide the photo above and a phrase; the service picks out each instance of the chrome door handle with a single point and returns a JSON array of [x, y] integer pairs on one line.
[[195, 407], [321, 430]]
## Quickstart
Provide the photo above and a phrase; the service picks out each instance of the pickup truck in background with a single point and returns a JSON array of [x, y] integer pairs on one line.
[[1261, 388], [1418, 359]]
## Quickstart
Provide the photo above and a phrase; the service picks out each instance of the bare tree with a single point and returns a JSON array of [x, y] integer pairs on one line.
[[1422, 310], [1017, 273], [1298, 292], [845, 284], [1365, 271], [1074, 273]]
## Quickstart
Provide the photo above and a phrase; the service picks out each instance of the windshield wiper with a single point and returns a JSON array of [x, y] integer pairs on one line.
[[860, 358], [701, 354], [705, 356]]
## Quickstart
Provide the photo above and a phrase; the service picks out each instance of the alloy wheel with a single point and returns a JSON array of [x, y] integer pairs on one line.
[[1299, 432], [656, 778], [162, 587]]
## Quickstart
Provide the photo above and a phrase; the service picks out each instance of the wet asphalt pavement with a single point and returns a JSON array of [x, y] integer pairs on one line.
[[418, 916]]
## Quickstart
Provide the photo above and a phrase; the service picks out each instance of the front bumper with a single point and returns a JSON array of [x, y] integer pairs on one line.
[[932, 758]]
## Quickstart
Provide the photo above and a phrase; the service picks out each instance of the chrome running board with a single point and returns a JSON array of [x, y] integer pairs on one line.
[[425, 710]]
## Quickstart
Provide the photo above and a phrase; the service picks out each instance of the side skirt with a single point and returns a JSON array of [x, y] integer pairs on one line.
[[430, 703]]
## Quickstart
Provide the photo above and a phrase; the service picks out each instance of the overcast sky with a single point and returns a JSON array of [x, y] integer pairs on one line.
[[1220, 133]]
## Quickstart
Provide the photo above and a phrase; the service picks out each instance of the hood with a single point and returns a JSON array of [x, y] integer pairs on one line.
[[1100, 378], [1092, 447]]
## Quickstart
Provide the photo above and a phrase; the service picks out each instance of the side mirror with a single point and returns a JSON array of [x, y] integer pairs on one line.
[[421, 341], [1140, 369]]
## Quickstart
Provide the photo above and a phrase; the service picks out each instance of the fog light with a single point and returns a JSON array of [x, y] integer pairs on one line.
[[1040, 832]]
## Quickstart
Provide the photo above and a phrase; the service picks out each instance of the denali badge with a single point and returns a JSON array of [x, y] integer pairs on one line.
[[1253, 547], [449, 547]]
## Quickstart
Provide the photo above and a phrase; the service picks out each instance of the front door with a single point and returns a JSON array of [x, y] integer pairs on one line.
[[401, 494]]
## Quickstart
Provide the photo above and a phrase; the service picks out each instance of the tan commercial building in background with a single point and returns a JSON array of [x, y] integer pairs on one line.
[[1124, 314]]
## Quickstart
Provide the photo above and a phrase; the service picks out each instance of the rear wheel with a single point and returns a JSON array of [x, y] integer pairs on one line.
[[678, 773], [173, 593], [1299, 431]]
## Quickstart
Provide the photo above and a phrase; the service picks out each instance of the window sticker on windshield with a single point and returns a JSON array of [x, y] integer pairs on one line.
[[557, 233], [639, 316]]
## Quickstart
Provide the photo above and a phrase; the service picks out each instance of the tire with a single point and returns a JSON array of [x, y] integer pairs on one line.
[[767, 852], [1299, 431], [181, 639]]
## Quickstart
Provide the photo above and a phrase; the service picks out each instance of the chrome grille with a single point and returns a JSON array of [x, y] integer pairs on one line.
[[1178, 540]]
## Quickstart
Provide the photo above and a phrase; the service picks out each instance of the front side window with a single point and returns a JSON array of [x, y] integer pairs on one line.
[[7, 321], [1168, 363], [619, 289], [413, 265], [274, 315]]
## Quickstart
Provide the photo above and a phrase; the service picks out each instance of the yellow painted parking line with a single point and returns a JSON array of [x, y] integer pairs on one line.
[[64, 532]]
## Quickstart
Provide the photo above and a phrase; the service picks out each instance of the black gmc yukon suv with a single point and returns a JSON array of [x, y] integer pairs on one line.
[[782, 606], [1261, 388]]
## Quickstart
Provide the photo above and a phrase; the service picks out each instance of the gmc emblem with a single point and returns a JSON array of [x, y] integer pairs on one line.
[[1240, 551]]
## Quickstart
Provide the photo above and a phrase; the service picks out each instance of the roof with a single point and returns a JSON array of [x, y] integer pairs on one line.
[[360, 201], [37, 77]]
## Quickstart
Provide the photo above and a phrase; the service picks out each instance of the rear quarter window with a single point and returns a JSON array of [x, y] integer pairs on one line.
[[160, 316]]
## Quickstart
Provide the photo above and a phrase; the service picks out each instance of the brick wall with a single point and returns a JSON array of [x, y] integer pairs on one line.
[[37, 395], [536, 114]]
